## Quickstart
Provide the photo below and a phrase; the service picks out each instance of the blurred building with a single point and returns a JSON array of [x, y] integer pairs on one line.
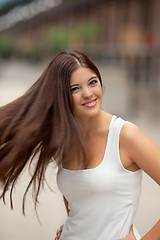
[[7, 5], [119, 21], [123, 30]]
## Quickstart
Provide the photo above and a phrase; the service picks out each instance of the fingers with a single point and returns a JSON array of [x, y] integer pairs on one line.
[[58, 233], [61, 228], [130, 235], [131, 230]]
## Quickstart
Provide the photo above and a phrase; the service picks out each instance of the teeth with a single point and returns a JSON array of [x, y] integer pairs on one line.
[[90, 104]]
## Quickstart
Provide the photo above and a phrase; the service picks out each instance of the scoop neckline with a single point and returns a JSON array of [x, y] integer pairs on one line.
[[92, 169]]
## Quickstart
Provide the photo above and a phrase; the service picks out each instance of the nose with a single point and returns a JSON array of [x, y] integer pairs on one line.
[[87, 93]]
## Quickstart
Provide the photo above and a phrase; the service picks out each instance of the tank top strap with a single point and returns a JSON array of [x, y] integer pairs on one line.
[[117, 125], [113, 140]]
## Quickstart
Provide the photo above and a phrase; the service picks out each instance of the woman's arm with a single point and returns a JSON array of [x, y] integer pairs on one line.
[[143, 152], [154, 233]]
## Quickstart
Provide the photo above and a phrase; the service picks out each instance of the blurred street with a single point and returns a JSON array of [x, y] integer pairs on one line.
[[136, 103]]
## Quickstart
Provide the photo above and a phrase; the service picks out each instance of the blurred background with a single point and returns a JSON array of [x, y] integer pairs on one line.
[[123, 38]]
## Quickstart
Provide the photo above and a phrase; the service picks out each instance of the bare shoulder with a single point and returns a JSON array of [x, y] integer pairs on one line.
[[127, 141], [133, 139], [141, 150], [130, 133]]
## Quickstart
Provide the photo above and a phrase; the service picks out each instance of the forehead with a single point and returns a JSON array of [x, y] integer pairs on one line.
[[82, 74]]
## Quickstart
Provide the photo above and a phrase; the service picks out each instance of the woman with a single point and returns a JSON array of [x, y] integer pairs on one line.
[[100, 156]]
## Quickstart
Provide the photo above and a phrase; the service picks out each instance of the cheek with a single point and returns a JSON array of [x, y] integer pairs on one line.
[[99, 92]]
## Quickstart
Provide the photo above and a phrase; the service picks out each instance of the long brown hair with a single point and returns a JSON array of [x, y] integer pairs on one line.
[[41, 123]]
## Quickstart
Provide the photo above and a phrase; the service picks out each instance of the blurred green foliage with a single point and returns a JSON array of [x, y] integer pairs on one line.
[[49, 40], [6, 45], [60, 38], [57, 39], [33, 52], [87, 31]]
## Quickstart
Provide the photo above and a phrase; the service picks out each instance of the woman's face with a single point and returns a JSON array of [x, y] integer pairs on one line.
[[86, 93]]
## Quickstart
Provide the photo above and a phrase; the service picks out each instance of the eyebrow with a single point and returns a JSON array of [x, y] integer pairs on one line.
[[76, 84]]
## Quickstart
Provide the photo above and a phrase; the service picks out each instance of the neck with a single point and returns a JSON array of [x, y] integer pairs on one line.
[[90, 125]]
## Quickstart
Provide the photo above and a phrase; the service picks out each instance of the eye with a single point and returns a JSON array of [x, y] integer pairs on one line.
[[74, 89], [93, 82]]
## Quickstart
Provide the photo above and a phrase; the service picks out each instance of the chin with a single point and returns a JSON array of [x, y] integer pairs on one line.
[[90, 114]]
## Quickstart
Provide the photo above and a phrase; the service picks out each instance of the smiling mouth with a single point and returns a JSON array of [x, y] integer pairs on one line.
[[90, 104]]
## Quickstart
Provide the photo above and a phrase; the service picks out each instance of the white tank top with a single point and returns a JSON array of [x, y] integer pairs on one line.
[[102, 200]]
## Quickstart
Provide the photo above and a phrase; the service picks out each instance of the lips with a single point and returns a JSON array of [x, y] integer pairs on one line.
[[90, 103]]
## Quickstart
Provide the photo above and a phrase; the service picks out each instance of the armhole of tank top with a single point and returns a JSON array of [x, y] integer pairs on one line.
[[118, 147]]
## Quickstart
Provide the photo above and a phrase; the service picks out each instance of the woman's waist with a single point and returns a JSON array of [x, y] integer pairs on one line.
[[97, 227]]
